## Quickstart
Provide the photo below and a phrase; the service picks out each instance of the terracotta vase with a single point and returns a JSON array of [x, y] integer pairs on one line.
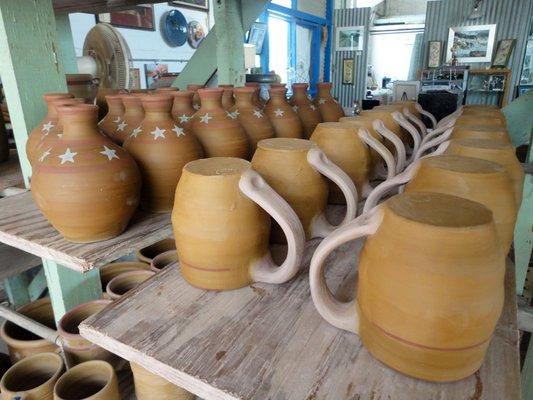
[[112, 270], [219, 132], [221, 231], [147, 254], [196, 102], [227, 97], [32, 378], [149, 386], [438, 246], [47, 126], [256, 97], [123, 283], [163, 260], [496, 151], [77, 348], [182, 108], [296, 169], [91, 380], [256, 125], [22, 343], [304, 107], [161, 149], [284, 119], [169, 89], [475, 120], [348, 146], [474, 179], [133, 115], [113, 124], [84, 184], [329, 108]]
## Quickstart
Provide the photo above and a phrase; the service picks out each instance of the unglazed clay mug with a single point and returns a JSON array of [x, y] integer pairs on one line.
[[221, 222], [295, 168], [32, 378], [123, 283], [428, 305], [149, 386], [147, 254]]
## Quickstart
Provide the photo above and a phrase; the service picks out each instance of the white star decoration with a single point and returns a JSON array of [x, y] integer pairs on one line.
[[205, 118], [67, 157], [179, 131], [110, 153], [136, 132], [196, 106], [158, 133], [121, 126], [295, 108], [117, 120], [236, 113], [258, 114], [45, 154], [184, 118], [47, 127], [279, 113], [231, 115], [321, 101], [312, 107]]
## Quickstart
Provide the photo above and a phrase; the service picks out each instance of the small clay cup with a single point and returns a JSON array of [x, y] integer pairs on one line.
[[163, 260], [149, 386], [110, 271], [147, 254], [122, 284]]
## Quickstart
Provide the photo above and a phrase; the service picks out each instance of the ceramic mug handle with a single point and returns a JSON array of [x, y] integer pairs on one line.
[[381, 149], [432, 143], [339, 314], [318, 159], [401, 156], [416, 121], [434, 133], [264, 269], [427, 114], [400, 119]]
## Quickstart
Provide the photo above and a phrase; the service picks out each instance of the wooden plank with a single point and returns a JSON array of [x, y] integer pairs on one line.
[[10, 172], [268, 342], [14, 261], [17, 290], [23, 226]]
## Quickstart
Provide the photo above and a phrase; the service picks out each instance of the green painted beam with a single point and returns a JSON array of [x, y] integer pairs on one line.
[[17, 290], [67, 52], [37, 286]]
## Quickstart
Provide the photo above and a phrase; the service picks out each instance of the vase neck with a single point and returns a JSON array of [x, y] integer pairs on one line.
[[115, 105], [211, 98], [79, 121]]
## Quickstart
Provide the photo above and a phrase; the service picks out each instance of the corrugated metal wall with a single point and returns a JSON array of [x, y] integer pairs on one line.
[[346, 94], [512, 17]]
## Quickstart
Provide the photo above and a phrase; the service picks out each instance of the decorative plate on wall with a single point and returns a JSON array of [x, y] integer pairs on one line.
[[174, 28], [196, 33]]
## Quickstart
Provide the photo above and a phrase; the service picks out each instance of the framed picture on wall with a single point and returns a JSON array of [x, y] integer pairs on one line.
[[503, 52], [135, 78], [200, 4], [153, 72], [434, 53], [257, 35], [405, 90], [348, 71], [350, 38], [471, 44], [138, 17]]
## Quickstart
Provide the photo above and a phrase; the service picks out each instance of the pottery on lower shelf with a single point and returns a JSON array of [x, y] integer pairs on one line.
[[437, 246], [219, 132], [84, 184], [112, 270], [113, 123], [149, 386], [309, 113], [91, 380], [330, 109], [22, 343], [221, 223], [196, 98], [284, 119], [123, 283], [32, 378], [161, 148], [163, 260], [147, 254], [182, 108], [133, 115]]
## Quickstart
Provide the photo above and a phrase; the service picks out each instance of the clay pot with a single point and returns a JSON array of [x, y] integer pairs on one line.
[[256, 125], [149, 386], [349, 148], [329, 108], [438, 246], [480, 121], [113, 124], [496, 151], [101, 193], [76, 347], [222, 233], [22, 343], [480, 132], [295, 168], [227, 97], [386, 117], [169, 89], [123, 283], [219, 132], [32, 378], [409, 104], [47, 125], [133, 115], [182, 109], [196, 97], [306, 110], [256, 98], [161, 149], [94, 380], [284, 119], [110, 271], [148, 253], [163, 260]]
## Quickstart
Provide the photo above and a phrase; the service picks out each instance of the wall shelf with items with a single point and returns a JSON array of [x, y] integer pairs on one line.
[[488, 86]]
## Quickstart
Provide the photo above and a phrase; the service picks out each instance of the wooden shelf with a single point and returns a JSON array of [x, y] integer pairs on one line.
[[266, 341], [15, 261], [23, 226], [10, 173]]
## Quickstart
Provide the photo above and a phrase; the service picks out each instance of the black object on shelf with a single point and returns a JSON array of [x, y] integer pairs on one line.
[[440, 103], [369, 104]]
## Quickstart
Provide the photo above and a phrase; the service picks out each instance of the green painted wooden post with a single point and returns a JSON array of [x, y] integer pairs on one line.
[[16, 290], [67, 51]]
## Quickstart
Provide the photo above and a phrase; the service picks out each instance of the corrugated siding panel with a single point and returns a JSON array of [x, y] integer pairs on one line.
[[512, 17], [346, 94]]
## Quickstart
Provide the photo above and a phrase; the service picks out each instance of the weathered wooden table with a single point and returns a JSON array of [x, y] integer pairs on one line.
[[268, 342]]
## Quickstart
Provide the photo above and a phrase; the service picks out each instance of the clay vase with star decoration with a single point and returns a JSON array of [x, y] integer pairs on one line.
[[196, 97], [161, 148], [133, 114], [256, 125], [330, 110], [256, 98], [113, 123], [182, 108], [48, 123], [284, 119], [227, 97], [84, 184], [306, 110], [218, 131]]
